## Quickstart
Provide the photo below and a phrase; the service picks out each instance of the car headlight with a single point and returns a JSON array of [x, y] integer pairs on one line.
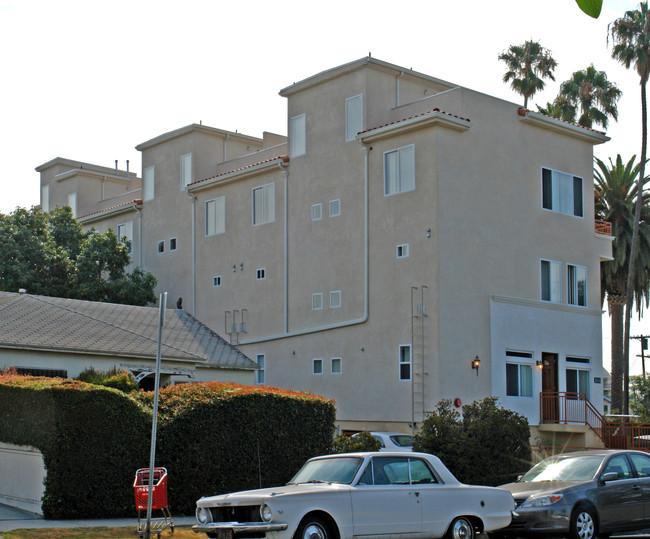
[[203, 515], [266, 513], [542, 501]]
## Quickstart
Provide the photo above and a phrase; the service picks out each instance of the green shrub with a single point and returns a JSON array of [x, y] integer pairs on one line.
[[486, 445], [363, 441], [117, 379]]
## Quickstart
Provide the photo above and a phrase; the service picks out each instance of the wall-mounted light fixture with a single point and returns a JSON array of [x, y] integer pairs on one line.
[[539, 364], [476, 363]]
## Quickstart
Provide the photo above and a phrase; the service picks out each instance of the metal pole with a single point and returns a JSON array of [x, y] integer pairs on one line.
[[154, 422]]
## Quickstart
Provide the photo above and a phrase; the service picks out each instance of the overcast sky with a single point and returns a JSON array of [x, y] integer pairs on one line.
[[89, 80]]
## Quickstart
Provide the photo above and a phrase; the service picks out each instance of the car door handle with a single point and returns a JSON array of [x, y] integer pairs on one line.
[[637, 487]]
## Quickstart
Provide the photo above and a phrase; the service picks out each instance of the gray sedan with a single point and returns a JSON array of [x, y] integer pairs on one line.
[[584, 494]]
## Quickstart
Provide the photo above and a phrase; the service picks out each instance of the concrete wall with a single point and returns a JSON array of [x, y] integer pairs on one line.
[[23, 474]]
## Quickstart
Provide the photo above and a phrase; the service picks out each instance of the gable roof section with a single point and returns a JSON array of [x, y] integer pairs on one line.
[[90, 327]]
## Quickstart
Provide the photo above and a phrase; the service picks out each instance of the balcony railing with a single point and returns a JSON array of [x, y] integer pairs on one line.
[[603, 227]]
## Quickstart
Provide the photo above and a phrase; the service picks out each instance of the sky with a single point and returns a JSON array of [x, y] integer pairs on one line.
[[90, 80]]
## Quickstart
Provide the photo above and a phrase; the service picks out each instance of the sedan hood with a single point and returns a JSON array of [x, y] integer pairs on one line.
[[255, 497], [523, 490]]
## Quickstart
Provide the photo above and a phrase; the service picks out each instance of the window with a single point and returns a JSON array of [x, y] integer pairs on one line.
[[397, 471], [317, 302], [124, 234], [216, 280], [335, 207], [519, 380], [405, 362], [641, 463], [260, 375], [399, 170], [317, 212], [72, 203], [353, 116], [577, 381], [620, 465], [403, 250], [215, 216], [148, 183], [551, 281], [297, 136], [264, 204], [45, 198], [317, 366], [561, 192], [261, 274], [335, 299], [161, 246], [172, 244], [336, 365], [186, 170], [576, 285]]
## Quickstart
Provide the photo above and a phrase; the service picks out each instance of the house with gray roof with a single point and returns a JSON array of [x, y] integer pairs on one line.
[[48, 336]]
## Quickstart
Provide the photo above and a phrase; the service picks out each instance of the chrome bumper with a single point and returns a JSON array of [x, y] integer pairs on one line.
[[239, 528]]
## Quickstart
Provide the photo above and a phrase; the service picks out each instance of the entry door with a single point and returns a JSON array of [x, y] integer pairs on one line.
[[550, 410]]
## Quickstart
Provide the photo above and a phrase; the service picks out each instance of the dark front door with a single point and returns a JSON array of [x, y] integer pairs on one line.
[[550, 408]]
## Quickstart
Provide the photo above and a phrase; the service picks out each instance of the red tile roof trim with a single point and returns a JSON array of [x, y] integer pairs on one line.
[[137, 202], [284, 158], [416, 116], [522, 112]]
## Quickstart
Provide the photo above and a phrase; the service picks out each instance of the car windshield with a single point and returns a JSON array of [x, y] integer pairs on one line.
[[564, 469], [330, 470], [403, 440]]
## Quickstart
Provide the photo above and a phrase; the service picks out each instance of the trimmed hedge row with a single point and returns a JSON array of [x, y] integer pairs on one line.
[[212, 438]]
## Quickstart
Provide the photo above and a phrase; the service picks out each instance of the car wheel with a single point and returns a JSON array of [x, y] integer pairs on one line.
[[461, 528], [583, 523], [313, 528]]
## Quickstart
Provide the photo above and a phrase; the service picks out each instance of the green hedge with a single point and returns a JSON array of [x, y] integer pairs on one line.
[[212, 438]]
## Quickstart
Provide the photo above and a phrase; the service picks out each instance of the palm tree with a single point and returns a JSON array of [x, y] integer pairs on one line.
[[528, 65], [615, 202], [560, 108], [595, 96], [631, 46]]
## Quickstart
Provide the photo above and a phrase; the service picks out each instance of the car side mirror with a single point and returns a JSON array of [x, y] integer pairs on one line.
[[609, 476], [519, 477]]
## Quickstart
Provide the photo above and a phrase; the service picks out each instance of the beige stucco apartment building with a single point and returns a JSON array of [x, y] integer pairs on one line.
[[404, 228]]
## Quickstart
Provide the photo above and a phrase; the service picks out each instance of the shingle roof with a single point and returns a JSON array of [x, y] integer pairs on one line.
[[57, 324]]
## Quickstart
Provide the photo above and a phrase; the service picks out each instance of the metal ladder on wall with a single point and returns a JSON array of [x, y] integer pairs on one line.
[[418, 327]]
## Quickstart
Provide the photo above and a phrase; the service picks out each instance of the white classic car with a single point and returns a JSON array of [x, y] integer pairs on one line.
[[377, 494]]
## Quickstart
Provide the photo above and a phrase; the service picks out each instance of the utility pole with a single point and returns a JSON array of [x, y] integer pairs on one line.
[[644, 347]]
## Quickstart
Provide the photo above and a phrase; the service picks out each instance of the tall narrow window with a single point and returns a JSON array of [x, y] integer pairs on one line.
[[551, 281], [405, 362], [264, 204], [260, 359], [335, 207], [148, 183], [124, 234], [72, 203], [45, 198], [316, 212], [399, 170], [353, 116], [317, 301], [215, 216], [186, 170], [562, 192], [335, 299], [161, 246], [576, 285], [577, 381], [297, 136], [317, 366]]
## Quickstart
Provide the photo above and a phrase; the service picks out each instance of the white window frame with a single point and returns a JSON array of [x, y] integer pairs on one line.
[[524, 369], [125, 230], [316, 212], [340, 365], [405, 170], [585, 372], [260, 274], [314, 362], [561, 198], [45, 198], [554, 279], [185, 180], [216, 281], [572, 285], [268, 213], [335, 299], [148, 183], [317, 301], [409, 363], [72, 203], [402, 250], [335, 207], [353, 116], [260, 374], [298, 136], [215, 216]]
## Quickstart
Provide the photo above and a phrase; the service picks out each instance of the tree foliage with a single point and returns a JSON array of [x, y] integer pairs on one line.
[[364, 441], [484, 433], [640, 398], [49, 254], [591, 7]]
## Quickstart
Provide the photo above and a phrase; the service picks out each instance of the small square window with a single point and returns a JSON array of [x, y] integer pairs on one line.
[[316, 212], [216, 280], [336, 365], [317, 302], [172, 244], [403, 250], [261, 274], [335, 207], [161, 246], [317, 366], [335, 299]]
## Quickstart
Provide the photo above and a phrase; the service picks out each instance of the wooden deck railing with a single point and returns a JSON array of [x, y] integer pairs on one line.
[[603, 227]]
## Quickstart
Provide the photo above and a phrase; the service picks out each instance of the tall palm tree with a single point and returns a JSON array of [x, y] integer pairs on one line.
[[528, 65], [631, 46], [595, 96], [560, 108], [615, 193]]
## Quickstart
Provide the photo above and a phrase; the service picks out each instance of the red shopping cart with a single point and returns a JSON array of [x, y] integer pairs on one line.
[[158, 501]]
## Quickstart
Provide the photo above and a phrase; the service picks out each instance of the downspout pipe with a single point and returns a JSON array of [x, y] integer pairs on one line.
[[139, 212], [285, 174], [193, 197]]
